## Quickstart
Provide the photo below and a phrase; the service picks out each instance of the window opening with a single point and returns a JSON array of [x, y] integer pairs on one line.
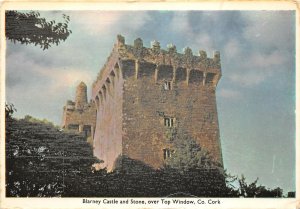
[[169, 122], [167, 85], [87, 130], [74, 127], [167, 153]]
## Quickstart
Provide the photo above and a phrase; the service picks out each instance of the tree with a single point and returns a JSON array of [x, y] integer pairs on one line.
[[9, 110], [187, 153], [253, 190], [30, 28]]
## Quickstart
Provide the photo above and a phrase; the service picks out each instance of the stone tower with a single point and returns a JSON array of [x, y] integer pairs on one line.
[[80, 116], [143, 93], [81, 96]]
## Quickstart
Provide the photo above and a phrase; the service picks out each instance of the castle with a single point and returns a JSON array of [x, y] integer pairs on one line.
[[143, 93]]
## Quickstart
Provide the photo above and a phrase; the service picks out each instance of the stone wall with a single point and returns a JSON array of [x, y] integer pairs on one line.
[[148, 103], [108, 133], [155, 89], [86, 116]]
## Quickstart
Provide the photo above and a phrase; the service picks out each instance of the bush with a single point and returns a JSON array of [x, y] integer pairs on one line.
[[36, 120], [188, 154], [9, 110]]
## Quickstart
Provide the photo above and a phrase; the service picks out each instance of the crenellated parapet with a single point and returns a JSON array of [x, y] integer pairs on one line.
[[136, 60], [167, 57]]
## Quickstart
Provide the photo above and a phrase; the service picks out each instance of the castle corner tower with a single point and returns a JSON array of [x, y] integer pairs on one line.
[[80, 116], [81, 96]]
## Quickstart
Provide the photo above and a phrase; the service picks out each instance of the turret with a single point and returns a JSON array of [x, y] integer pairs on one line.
[[81, 96]]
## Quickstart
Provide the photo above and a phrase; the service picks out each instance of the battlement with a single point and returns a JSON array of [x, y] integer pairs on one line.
[[170, 56], [159, 56], [139, 61]]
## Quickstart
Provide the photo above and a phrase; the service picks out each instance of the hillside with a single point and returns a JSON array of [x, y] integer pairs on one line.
[[41, 160]]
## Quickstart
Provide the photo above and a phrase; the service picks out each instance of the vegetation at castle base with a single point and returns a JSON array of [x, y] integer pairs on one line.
[[138, 180], [254, 190], [187, 154], [36, 120], [192, 160], [43, 161], [40, 158], [30, 28]]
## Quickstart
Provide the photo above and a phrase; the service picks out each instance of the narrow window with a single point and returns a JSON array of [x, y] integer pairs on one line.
[[169, 122], [167, 153], [87, 130], [167, 85]]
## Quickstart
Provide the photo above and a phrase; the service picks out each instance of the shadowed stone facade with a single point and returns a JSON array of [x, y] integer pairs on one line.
[[141, 94], [80, 116]]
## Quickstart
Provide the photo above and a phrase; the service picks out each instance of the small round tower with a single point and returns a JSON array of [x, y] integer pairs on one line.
[[81, 96]]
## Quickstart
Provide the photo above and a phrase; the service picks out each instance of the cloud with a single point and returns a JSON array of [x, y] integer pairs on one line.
[[134, 21], [20, 70], [96, 22], [204, 41], [268, 61], [229, 93], [274, 29], [60, 79], [232, 49], [248, 79], [101, 24], [254, 69], [254, 46], [264, 49], [40, 89], [28, 71], [181, 25]]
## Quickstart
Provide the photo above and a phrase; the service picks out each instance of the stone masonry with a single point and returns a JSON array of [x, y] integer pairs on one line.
[[142, 93], [80, 116]]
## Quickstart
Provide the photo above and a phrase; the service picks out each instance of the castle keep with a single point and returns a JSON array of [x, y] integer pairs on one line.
[[141, 94]]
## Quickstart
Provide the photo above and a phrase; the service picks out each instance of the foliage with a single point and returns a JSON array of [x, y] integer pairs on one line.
[[171, 133], [253, 190], [36, 120], [30, 28], [188, 154], [9, 110], [42, 161]]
